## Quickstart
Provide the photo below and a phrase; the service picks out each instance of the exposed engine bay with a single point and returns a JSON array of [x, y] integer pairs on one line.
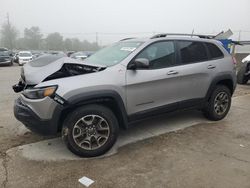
[[69, 69], [31, 75]]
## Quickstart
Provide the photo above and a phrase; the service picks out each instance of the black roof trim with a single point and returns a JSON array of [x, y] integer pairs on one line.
[[182, 34]]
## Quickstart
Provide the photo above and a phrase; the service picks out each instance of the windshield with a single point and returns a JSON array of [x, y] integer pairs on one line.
[[24, 54], [79, 54], [113, 54], [4, 53]]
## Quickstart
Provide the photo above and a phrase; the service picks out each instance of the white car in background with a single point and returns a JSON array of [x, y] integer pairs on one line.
[[24, 57], [81, 55], [243, 74]]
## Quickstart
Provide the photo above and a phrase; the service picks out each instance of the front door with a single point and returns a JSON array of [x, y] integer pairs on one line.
[[157, 85]]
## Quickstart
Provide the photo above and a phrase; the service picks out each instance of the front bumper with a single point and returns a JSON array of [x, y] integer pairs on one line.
[[22, 62], [28, 117], [7, 62]]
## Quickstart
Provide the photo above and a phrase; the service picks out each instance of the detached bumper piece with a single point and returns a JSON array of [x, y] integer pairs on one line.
[[24, 114], [18, 87]]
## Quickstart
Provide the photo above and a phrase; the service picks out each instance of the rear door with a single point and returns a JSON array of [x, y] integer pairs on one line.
[[196, 71]]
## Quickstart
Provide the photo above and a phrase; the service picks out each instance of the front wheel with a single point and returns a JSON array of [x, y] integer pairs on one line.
[[90, 130], [218, 104]]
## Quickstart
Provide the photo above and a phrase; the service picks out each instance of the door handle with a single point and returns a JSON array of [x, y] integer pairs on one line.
[[211, 66], [172, 72]]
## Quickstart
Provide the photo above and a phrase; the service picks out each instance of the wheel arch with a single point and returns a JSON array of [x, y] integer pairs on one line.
[[226, 80], [110, 99]]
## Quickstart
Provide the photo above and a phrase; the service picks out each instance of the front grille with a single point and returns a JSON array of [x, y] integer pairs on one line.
[[4, 59]]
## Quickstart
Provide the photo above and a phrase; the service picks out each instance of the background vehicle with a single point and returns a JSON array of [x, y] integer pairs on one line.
[[130, 80], [6, 58], [15, 58], [243, 74], [69, 53], [24, 57], [81, 55], [36, 54], [55, 53], [4, 49]]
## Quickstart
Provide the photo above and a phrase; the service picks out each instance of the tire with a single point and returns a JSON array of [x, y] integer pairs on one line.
[[11, 63], [211, 111], [241, 77], [89, 121], [18, 62]]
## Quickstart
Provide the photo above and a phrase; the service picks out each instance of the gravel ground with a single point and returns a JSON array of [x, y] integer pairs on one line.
[[242, 90]]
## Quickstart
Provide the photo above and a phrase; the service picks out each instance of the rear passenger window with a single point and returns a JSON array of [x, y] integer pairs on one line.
[[214, 51], [192, 52]]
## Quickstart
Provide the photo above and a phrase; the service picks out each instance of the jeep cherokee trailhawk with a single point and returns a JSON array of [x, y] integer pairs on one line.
[[132, 79]]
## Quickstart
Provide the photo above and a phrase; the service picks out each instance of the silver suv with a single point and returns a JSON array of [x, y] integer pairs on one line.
[[132, 79]]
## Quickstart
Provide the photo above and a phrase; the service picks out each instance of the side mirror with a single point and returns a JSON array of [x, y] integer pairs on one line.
[[139, 63]]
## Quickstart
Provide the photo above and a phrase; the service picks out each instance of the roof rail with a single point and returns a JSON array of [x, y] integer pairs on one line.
[[127, 39], [242, 42], [182, 34]]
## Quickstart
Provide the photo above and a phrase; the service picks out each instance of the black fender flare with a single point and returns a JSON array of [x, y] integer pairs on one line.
[[216, 80], [99, 97]]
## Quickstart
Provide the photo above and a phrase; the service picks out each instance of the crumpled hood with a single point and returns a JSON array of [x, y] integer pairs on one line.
[[39, 70]]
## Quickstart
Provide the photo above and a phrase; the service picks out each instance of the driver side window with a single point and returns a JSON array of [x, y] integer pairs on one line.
[[159, 54]]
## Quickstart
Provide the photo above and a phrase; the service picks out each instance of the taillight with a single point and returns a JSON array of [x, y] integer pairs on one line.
[[234, 60]]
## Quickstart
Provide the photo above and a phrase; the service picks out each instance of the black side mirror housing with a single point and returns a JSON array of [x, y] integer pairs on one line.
[[139, 63]]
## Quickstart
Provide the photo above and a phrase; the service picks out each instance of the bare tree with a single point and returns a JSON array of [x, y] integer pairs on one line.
[[32, 38], [8, 35], [68, 44], [54, 41]]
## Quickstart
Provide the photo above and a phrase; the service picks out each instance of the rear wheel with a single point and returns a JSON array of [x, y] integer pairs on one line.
[[218, 104], [90, 131]]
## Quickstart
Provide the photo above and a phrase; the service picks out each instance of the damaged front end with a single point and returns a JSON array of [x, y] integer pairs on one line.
[[21, 85], [34, 73], [69, 69], [18, 87]]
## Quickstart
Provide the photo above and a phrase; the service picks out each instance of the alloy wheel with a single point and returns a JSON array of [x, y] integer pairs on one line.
[[91, 132], [221, 103]]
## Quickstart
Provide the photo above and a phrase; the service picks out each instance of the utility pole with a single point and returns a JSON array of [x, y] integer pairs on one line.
[[192, 33], [239, 35], [96, 38], [9, 28]]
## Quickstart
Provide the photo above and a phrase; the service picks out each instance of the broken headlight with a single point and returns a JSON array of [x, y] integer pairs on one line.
[[39, 93]]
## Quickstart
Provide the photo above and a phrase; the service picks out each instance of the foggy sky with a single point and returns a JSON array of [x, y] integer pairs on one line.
[[112, 18]]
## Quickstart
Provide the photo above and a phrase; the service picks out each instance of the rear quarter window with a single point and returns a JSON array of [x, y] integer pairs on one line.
[[192, 51], [214, 51]]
